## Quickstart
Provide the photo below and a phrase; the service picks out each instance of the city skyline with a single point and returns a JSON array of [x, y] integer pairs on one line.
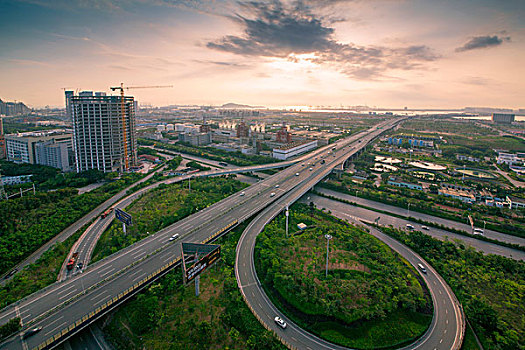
[[277, 53]]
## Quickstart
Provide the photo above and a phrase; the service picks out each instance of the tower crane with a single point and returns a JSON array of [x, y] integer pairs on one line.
[[123, 113]]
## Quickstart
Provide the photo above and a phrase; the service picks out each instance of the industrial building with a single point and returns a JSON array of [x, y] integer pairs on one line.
[[103, 131], [398, 182], [21, 147], [293, 149], [503, 118]]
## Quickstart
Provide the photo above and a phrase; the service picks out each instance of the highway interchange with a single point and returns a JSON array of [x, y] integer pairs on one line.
[[84, 292]]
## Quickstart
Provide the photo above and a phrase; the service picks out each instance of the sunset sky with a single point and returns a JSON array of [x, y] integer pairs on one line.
[[385, 53]]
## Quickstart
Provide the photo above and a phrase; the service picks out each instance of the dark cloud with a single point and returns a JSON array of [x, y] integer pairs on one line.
[[273, 29], [481, 42]]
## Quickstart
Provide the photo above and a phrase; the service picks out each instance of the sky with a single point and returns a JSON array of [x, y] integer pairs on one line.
[[276, 53]]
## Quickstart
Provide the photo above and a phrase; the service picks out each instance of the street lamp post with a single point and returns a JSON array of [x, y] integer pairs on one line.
[[408, 210], [328, 238], [287, 214]]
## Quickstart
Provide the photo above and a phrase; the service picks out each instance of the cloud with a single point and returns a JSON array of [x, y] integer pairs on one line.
[[289, 30], [481, 42]]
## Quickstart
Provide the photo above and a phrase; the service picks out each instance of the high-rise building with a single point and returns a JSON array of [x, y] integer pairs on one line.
[[69, 95], [100, 132], [243, 130], [283, 135], [2, 139]]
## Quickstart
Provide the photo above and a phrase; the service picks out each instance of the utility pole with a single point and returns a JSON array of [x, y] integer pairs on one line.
[[328, 238]]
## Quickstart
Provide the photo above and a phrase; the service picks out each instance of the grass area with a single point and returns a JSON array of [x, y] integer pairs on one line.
[[370, 291], [162, 207], [404, 324], [38, 275], [469, 342], [489, 287], [168, 315]]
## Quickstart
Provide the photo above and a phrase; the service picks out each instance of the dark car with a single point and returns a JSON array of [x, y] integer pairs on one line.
[[80, 265], [32, 331], [11, 273]]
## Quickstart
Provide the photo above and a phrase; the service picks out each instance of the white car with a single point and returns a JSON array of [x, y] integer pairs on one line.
[[410, 226], [424, 227], [422, 268], [280, 322], [174, 237], [296, 174], [276, 186], [272, 194], [242, 193]]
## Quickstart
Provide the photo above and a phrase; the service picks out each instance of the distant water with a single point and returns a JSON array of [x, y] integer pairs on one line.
[[518, 118]]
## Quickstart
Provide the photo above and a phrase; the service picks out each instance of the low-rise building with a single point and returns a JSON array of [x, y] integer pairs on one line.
[[467, 158], [462, 193], [16, 180], [293, 149], [515, 202], [20, 147], [503, 118], [510, 158], [398, 182]]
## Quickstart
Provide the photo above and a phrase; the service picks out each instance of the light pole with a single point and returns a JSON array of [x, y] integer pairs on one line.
[[356, 192], [408, 210], [328, 238], [287, 214]]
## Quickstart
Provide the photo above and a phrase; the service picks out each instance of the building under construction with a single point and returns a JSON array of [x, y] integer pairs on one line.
[[103, 131]]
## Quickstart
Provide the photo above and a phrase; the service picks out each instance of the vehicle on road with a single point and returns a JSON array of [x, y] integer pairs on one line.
[[272, 194], [311, 169], [106, 213], [322, 161], [174, 237], [71, 262], [422, 268], [80, 265], [280, 322], [409, 226], [32, 331], [424, 227], [242, 193], [296, 174], [11, 273], [223, 164], [276, 186], [478, 231]]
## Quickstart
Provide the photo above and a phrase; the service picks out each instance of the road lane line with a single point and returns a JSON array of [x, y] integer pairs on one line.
[[138, 277], [66, 295], [96, 296], [49, 324], [134, 273], [108, 272], [58, 293]]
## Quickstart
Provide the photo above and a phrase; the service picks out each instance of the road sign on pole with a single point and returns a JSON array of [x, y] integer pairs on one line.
[[124, 217], [196, 258]]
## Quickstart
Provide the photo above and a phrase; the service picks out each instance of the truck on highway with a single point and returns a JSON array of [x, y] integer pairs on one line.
[[106, 213], [71, 262]]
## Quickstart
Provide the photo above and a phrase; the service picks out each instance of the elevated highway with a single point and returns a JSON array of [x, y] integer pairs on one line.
[[65, 308]]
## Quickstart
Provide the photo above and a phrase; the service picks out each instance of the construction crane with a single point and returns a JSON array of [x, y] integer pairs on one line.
[[123, 113]]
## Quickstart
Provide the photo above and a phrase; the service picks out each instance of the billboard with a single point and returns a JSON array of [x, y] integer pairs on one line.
[[123, 216], [199, 257]]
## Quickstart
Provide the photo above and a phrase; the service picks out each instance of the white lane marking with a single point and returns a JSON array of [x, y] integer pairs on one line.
[[137, 278], [49, 324], [440, 292], [66, 295], [134, 273], [65, 290], [137, 253], [105, 268], [108, 272], [447, 321], [96, 296]]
